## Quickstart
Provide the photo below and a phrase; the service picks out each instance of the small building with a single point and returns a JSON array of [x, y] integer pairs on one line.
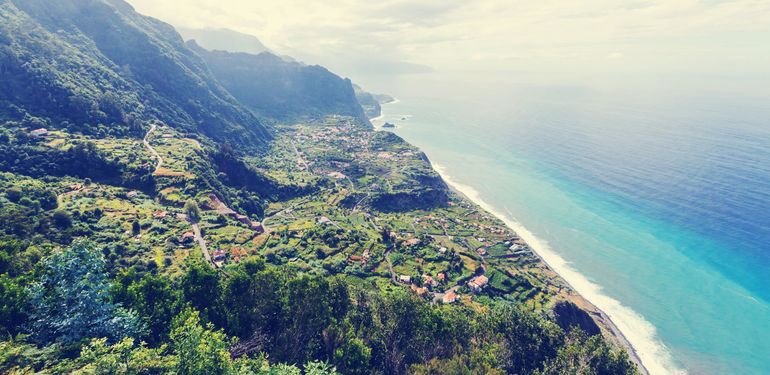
[[219, 255], [42, 132], [422, 292], [442, 249], [159, 214], [411, 242], [187, 237], [482, 251], [450, 297], [132, 194], [477, 283], [406, 279], [337, 175], [356, 258], [429, 281], [441, 277], [324, 220]]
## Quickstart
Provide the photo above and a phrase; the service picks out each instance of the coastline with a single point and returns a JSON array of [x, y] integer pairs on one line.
[[632, 332], [382, 110], [621, 324]]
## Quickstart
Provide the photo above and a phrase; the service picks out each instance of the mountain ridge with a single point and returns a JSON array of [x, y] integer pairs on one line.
[[96, 64], [285, 90]]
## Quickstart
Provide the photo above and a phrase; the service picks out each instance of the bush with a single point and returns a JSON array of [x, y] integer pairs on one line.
[[62, 219]]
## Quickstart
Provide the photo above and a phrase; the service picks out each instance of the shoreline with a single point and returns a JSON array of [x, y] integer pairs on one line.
[[604, 320], [642, 349], [625, 327], [382, 110]]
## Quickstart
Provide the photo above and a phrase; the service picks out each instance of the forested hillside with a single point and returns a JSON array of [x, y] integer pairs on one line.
[[150, 224], [96, 65], [285, 90]]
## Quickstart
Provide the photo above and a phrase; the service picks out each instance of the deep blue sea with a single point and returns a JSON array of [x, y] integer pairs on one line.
[[655, 198]]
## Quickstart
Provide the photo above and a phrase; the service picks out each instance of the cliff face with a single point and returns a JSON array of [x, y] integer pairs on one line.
[[568, 316], [280, 89], [100, 62], [371, 103]]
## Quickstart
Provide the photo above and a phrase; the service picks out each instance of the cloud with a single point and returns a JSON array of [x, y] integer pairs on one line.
[[448, 35]]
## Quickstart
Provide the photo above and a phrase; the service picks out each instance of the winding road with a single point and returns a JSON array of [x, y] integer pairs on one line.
[[154, 153]]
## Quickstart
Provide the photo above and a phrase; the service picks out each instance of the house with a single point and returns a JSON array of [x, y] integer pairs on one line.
[[132, 194], [159, 214], [482, 251], [441, 277], [442, 250], [42, 132], [477, 283], [219, 256], [187, 237], [450, 297], [324, 220], [422, 292], [411, 242], [405, 279], [356, 258], [429, 281]]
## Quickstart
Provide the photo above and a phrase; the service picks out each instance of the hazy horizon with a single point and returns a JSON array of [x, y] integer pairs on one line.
[[682, 39]]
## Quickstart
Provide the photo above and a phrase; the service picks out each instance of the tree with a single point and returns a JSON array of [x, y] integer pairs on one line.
[[201, 349], [13, 303], [14, 193], [528, 340], [353, 356], [70, 301], [201, 289], [156, 302], [62, 219], [588, 355], [122, 358], [192, 210]]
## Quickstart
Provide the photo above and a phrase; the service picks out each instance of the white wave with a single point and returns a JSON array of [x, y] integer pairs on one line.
[[382, 110], [640, 333]]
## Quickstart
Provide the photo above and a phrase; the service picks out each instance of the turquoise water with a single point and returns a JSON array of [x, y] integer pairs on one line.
[[660, 199]]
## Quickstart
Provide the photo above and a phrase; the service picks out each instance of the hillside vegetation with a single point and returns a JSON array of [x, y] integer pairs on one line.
[[151, 224]]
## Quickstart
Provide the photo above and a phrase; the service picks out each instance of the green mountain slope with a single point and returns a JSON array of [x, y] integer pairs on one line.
[[276, 88], [155, 226], [100, 62]]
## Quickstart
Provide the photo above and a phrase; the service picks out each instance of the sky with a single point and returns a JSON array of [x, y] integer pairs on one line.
[[597, 37]]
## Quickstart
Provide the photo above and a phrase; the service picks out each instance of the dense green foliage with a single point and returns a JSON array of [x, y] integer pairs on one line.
[[70, 300], [112, 66], [290, 317], [140, 132]]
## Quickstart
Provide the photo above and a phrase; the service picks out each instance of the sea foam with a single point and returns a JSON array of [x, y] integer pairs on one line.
[[640, 333]]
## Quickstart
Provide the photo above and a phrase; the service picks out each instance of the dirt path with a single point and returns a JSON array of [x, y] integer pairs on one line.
[[201, 242], [154, 153], [390, 266], [299, 156]]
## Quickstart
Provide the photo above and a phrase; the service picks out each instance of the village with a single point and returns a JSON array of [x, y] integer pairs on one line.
[[447, 250]]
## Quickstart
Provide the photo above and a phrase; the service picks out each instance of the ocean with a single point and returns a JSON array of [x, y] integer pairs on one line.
[[653, 200]]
